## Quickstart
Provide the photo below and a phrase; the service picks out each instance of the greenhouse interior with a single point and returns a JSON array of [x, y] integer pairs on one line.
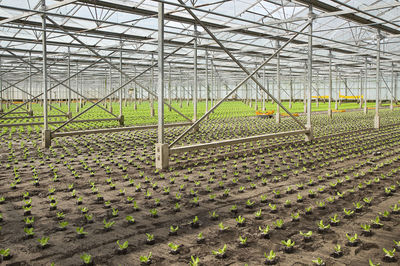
[[199, 132]]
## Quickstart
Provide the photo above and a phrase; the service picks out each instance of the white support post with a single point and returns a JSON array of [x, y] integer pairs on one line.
[[46, 135], [290, 88], [169, 86], [366, 86], [30, 84], [152, 87], [207, 85], [278, 85], [392, 85], [378, 81], [69, 113], [360, 91], [330, 86], [311, 15], [194, 92], [121, 116], [265, 86], [1, 89], [162, 150]]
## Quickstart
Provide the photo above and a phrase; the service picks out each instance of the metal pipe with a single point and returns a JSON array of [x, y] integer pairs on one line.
[[195, 75], [160, 128], [365, 87], [278, 85], [378, 80], [330, 85], [69, 82], [207, 86], [44, 70], [309, 92]]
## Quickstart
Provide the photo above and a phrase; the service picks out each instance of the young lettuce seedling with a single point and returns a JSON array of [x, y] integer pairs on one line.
[[242, 241], [43, 242], [306, 236], [318, 261], [86, 259], [122, 248], [371, 263], [173, 230], [220, 253], [270, 258], [80, 231], [200, 238], [337, 251], [366, 229], [352, 240], [288, 245], [174, 248], [108, 225], [145, 260], [240, 221], [222, 227], [195, 261], [389, 255], [150, 239], [5, 254]]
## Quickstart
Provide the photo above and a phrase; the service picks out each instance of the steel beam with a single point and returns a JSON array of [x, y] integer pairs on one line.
[[330, 86], [366, 86], [311, 15], [378, 80], [278, 85], [162, 151], [46, 138], [188, 148], [117, 129]]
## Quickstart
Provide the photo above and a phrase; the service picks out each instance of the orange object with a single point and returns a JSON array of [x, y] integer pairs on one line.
[[267, 113]]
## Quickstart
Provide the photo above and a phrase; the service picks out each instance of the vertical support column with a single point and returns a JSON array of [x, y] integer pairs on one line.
[[392, 85], [135, 89], [309, 136], [278, 84], [290, 88], [169, 86], [121, 116], [365, 86], [1, 89], [162, 150], [396, 82], [207, 85], [69, 113], [305, 89], [76, 88], [110, 88], [212, 83], [46, 134], [361, 89], [152, 87], [80, 97], [378, 81], [30, 84], [256, 96], [330, 86], [263, 93], [194, 92], [337, 88]]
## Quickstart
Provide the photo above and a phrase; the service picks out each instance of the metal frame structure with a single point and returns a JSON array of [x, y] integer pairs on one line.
[[206, 47]]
